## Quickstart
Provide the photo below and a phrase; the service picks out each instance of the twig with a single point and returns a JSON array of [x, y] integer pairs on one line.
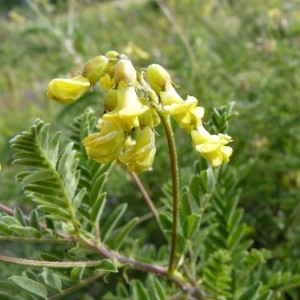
[[6, 209], [145, 194], [50, 264]]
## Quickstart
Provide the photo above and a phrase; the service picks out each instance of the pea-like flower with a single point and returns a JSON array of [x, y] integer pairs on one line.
[[69, 90], [128, 109], [212, 147], [190, 119], [186, 113], [139, 156], [106, 145], [131, 109]]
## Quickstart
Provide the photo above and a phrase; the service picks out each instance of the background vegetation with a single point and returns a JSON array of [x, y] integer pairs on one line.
[[219, 51]]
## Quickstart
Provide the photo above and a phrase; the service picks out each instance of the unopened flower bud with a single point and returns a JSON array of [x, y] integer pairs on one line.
[[95, 68], [113, 57], [158, 77], [124, 71], [111, 100], [112, 54]]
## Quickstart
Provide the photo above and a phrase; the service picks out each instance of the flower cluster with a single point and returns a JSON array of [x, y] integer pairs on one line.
[[189, 117], [126, 127]]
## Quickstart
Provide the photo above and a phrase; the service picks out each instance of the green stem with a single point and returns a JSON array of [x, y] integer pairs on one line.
[[165, 119], [122, 261], [119, 259]]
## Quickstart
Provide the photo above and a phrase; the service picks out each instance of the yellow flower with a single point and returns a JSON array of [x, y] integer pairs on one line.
[[106, 145], [184, 112], [69, 90], [190, 119], [174, 104], [212, 147], [128, 109], [139, 156]]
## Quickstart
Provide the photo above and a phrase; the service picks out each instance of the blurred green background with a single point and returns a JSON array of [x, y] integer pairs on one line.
[[245, 51]]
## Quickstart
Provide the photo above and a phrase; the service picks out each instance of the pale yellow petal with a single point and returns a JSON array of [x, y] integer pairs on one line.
[[69, 90]]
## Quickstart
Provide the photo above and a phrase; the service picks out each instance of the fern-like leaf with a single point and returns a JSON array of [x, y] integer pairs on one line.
[[218, 275], [53, 176]]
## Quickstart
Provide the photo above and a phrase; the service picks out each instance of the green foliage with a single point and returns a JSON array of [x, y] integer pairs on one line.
[[151, 289], [238, 234], [50, 183], [213, 250]]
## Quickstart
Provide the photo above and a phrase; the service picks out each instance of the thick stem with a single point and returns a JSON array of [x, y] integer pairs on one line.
[[118, 258], [135, 264]]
